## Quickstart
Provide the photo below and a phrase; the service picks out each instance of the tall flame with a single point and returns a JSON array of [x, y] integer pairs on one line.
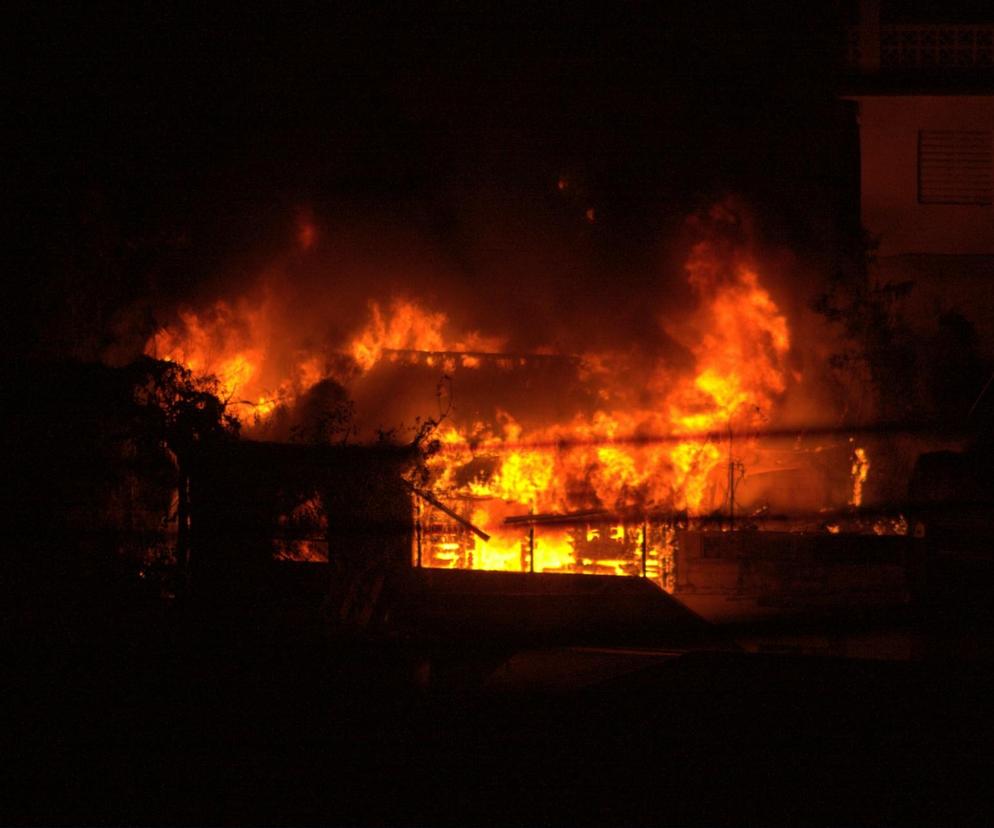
[[222, 341], [744, 340]]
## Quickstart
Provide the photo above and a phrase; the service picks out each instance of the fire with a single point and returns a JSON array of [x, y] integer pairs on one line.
[[693, 463], [740, 359], [516, 482], [860, 470], [743, 342], [523, 476], [891, 526], [231, 343], [410, 327], [224, 342]]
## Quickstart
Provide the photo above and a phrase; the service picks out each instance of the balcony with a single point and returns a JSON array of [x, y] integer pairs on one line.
[[907, 47]]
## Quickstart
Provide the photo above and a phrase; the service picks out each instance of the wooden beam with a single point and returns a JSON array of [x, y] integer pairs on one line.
[[434, 501], [589, 515]]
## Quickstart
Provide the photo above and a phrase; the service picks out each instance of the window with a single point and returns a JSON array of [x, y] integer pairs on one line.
[[954, 167]]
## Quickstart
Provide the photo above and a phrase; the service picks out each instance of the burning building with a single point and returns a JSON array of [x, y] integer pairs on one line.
[[256, 504], [598, 462]]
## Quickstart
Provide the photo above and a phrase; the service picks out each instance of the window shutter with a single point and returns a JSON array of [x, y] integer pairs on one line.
[[954, 167]]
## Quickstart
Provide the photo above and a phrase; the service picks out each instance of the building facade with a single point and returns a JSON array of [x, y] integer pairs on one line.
[[923, 85]]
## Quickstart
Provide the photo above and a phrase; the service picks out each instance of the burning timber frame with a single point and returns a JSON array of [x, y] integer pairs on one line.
[[640, 534], [746, 570], [472, 359]]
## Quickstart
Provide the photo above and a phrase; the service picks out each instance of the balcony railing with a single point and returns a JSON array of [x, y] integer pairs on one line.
[[922, 47]]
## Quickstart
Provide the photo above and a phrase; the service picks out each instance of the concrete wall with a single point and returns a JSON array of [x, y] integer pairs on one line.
[[945, 284], [889, 128]]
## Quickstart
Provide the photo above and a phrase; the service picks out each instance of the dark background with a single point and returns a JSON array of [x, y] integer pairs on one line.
[[155, 149]]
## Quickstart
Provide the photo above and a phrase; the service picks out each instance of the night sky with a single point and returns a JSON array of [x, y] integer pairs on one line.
[[153, 150], [510, 164]]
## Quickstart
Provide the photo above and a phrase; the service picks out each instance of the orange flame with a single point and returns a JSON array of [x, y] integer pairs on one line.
[[490, 471], [410, 327], [740, 373], [223, 342], [860, 470]]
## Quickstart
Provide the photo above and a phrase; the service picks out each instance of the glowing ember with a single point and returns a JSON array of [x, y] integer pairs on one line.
[[891, 526]]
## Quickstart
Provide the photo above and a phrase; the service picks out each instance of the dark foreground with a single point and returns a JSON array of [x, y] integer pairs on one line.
[[127, 714]]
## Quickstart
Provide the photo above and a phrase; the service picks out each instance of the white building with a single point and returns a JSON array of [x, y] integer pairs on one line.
[[925, 96]]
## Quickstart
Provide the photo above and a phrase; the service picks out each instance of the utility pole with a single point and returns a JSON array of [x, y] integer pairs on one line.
[[731, 480], [417, 526], [645, 543], [531, 543]]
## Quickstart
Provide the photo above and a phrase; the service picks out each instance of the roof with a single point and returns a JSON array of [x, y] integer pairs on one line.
[[304, 454]]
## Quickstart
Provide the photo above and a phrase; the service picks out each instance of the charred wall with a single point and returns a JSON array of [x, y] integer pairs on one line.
[[241, 492]]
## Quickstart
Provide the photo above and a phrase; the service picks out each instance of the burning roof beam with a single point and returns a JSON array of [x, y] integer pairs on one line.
[[607, 517], [472, 359], [927, 429], [568, 518]]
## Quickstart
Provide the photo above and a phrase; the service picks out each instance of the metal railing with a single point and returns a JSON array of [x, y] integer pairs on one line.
[[921, 46]]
